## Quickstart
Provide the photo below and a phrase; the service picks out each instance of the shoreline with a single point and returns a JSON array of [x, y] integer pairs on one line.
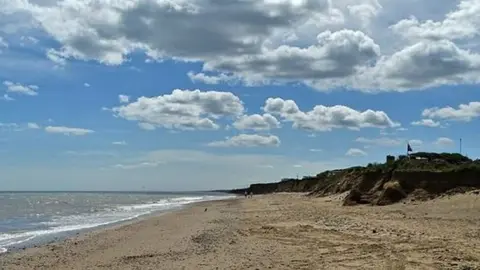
[[59, 237], [279, 231]]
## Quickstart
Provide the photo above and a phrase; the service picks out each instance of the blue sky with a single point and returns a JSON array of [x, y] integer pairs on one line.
[[186, 95]]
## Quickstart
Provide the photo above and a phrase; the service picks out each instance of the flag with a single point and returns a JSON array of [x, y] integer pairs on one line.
[[409, 148]]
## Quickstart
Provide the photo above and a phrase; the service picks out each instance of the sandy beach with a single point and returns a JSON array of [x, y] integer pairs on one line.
[[281, 231]]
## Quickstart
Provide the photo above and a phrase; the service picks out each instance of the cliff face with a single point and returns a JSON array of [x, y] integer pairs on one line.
[[383, 184], [290, 185]]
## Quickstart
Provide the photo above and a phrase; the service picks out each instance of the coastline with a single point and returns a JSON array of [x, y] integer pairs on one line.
[[14, 242], [279, 231]]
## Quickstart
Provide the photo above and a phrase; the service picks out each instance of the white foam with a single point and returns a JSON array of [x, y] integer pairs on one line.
[[122, 213]]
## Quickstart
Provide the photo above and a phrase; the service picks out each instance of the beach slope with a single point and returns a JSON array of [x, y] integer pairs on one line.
[[281, 231]]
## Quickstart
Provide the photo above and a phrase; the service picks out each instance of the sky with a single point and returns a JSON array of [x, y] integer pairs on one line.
[[208, 94]]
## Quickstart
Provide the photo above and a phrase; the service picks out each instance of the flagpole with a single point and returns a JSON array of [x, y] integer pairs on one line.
[[460, 146]]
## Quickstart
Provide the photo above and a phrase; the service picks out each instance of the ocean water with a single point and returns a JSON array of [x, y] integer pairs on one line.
[[27, 218]]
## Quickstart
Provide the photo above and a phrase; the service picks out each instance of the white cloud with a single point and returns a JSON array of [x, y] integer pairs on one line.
[[419, 66], [336, 55], [146, 126], [459, 24], [355, 152], [135, 69], [28, 40], [315, 150], [18, 127], [444, 141], [365, 11], [465, 112], [68, 130], [256, 122], [323, 118], [211, 79], [120, 143], [323, 44], [86, 84], [108, 31], [6, 97], [56, 57], [17, 88], [182, 109], [248, 140], [3, 43], [123, 98], [33, 126], [426, 123], [10, 126]]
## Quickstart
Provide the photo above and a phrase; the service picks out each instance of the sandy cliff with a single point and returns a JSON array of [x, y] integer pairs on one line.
[[423, 176]]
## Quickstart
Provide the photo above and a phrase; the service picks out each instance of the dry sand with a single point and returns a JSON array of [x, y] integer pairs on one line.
[[282, 231]]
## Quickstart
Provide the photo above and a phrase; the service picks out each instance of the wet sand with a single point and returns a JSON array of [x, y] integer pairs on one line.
[[282, 231]]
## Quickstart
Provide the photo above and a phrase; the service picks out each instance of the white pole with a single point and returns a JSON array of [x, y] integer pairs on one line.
[[460, 146]]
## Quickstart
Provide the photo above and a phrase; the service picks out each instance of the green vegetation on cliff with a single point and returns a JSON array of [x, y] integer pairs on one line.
[[421, 175]]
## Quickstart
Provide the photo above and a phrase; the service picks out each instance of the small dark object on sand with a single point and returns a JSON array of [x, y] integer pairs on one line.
[[205, 209]]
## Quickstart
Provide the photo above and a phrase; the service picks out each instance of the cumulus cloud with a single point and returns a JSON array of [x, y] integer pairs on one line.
[[33, 126], [355, 152], [459, 24], [337, 55], [365, 11], [68, 130], [257, 122], [426, 123], [107, 31], [123, 98], [56, 57], [182, 109], [465, 112], [86, 84], [17, 88], [320, 43], [323, 118], [248, 140], [421, 65], [212, 79], [444, 141]]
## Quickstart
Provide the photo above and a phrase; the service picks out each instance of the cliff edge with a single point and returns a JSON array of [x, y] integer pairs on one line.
[[420, 176]]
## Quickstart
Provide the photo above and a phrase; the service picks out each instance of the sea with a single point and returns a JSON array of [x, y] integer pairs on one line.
[[28, 218]]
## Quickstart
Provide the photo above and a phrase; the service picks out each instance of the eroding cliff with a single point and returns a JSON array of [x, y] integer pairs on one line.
[[420, 177]]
